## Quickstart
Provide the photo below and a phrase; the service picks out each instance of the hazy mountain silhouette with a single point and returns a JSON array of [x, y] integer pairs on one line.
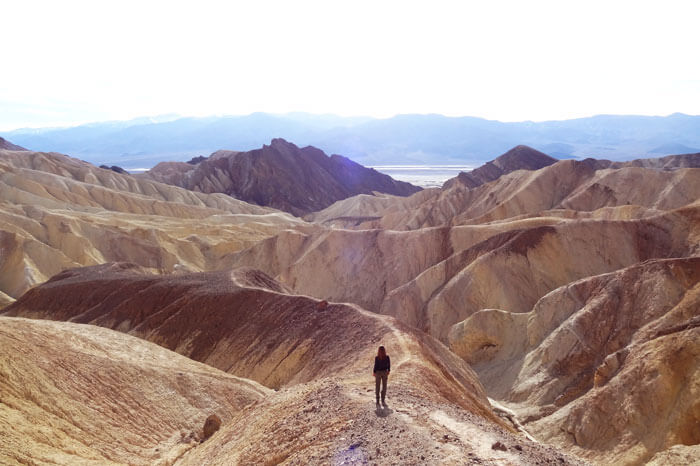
[[403, 139]]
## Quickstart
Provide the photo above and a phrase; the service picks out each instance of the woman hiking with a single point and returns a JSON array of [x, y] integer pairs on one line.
[[382, 367]]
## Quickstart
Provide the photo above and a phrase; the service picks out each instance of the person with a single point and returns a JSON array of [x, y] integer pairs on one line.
[[382, 367]]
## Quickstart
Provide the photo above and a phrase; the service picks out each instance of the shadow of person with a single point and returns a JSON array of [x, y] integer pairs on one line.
[[383, 411]]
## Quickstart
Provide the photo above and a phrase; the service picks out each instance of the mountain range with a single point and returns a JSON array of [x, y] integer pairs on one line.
[[402, 139]]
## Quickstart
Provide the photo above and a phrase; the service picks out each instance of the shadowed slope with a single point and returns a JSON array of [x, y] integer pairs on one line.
[[282, 176], [518, 158]]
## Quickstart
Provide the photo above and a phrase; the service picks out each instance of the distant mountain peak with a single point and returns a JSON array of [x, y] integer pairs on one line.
[[280, 142], [523, 157], [520, 157]]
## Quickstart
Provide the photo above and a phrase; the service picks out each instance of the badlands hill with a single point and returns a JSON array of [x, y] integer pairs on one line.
[[80, 394], [608, 363], [316, 357], [280, 175], [57, 212], [518, 158], [566, 188]]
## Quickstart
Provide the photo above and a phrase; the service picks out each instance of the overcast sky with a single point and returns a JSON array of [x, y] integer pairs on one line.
[[69, 62]]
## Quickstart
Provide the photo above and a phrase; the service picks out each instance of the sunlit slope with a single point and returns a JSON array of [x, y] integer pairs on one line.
[[514, 269], [432, 278], [57, 212], [80, 394]]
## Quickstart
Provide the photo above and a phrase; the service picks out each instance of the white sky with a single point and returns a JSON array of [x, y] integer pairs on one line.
[[65, 62]]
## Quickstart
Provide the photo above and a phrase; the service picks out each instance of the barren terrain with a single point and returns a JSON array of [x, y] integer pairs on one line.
[[528, 299]]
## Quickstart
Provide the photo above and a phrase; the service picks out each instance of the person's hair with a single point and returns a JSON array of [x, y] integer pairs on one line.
[[381, 353]]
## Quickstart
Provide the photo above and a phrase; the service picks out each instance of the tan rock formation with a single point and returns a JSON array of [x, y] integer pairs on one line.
[[567, 184], [363, 209], [80, 394], [32, 176], [345, 265], [241, 321], [511, 271], [608, 367], [57, 212], [450, 273], [678, 454], [571, 288], [5, 300]]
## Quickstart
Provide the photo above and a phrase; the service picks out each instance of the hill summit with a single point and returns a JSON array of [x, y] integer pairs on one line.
[[518, 158], [280, 175]]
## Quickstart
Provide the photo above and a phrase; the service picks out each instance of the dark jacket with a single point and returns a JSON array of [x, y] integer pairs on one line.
[[382, 364]]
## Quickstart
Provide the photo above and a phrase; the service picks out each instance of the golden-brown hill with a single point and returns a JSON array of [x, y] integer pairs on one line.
[[317, 358], [80, 394], [569, 185], [607, 367]]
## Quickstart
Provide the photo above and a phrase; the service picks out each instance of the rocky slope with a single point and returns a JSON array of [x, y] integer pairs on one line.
[[452, 272], [224, 319], [316, 356], [518, 158], [607, 366], [80, 394], [57, 212], [280, 175], [514, 269]]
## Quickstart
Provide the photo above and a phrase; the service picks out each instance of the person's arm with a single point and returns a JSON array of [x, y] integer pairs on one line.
[[374, 371], [388, 364]]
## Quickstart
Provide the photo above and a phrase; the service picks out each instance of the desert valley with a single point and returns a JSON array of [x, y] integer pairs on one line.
[[227, 310]]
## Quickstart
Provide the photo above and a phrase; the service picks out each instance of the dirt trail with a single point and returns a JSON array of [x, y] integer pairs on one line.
[[400, 336], [513, 417]]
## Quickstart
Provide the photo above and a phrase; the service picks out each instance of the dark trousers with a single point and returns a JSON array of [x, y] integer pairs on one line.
[[380, 377]]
